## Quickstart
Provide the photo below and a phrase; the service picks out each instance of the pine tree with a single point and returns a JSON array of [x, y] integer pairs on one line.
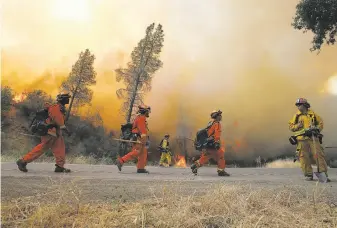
[[80, 78], [140, 70], [318, 16]]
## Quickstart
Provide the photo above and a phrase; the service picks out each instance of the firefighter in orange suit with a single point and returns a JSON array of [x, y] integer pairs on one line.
[[213, 149], [140, 134], [53, 138]]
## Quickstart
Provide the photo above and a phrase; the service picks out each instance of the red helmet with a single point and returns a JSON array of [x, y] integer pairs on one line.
[[215, 113], [302, 101]]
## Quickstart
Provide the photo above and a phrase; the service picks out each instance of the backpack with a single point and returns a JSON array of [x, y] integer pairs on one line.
[[126, 131], [201, 138], [38, 125]]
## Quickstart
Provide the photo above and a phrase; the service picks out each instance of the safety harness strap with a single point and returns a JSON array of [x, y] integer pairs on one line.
[[210, 124], [312, 116]]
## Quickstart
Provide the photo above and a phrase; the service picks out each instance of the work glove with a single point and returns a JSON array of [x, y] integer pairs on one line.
[[311, 132], [315, 130]]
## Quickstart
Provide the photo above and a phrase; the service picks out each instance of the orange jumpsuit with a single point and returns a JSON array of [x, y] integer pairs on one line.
[[218, 155], [51, 141], [138, 150]]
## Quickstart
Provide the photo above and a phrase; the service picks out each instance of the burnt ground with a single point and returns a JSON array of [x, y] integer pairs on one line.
[[98, 183]]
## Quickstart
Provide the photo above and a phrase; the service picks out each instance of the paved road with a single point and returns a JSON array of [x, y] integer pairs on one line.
[[105, 182]]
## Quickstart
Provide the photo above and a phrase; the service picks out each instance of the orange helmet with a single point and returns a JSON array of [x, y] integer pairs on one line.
[[302, 101], [142, 109], [215, 113]]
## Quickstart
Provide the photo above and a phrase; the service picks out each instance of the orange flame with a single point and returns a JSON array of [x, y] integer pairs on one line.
[[19, 97], [180, 161]]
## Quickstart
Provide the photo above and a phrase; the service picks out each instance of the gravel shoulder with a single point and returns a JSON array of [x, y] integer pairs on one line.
[[99, 183]]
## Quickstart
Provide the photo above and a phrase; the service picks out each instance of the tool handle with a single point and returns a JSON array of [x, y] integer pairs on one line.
[[124, 140]]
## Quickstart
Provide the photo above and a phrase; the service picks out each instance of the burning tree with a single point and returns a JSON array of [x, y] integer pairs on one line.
[[140, 70], [318, 17], [80, 78]]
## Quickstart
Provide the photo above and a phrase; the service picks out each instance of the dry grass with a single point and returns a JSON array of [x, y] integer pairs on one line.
[[283, 163], [222, 206]]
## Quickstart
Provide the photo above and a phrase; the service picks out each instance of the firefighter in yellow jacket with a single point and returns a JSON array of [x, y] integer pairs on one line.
[[164, 148], [306, 120]]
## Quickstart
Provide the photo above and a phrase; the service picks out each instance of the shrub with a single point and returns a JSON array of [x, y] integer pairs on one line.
[[34, 101], [6, 99]]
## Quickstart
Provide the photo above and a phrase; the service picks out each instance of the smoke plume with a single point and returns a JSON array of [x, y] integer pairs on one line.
[[242, 57]]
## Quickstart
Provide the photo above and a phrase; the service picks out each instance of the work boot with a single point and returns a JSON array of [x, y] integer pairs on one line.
[[59, 169], [194, 169], [142, 171], [327, 178], [223, 173], [22, 165], [309, 178], [119, 165]]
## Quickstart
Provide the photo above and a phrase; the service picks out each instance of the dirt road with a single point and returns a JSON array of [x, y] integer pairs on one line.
[[105, 182]]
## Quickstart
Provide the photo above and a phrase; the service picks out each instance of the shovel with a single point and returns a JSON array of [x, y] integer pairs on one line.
[[320, 176]]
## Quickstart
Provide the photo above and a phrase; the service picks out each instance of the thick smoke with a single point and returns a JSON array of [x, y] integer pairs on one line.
[[242, 57]]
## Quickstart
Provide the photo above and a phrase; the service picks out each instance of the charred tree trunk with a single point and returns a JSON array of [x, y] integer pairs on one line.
[[70, 106], [133, 98]]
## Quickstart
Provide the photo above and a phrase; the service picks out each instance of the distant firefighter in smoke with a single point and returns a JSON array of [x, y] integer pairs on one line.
[[208, 140], [307, 126], [164, 148]]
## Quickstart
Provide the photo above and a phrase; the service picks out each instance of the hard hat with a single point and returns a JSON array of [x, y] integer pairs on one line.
[[215, 113], [143, 109], [63, 98], [302, 101]]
